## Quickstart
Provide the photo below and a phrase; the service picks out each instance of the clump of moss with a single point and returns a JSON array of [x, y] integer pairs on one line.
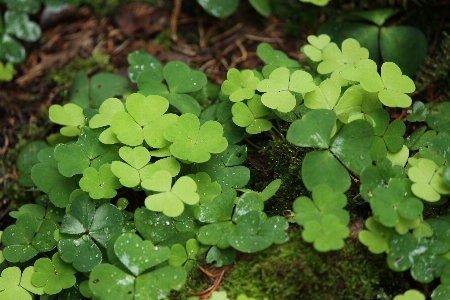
[[286, 165], [97, 62], [295, 270]]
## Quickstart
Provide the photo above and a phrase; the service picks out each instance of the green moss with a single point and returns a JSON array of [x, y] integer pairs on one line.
[[295, 270], [196, 282], [163, 39], [97, 62], [286, 165]]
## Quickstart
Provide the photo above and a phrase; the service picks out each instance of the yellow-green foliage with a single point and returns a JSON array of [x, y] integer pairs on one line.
[[295, 270]]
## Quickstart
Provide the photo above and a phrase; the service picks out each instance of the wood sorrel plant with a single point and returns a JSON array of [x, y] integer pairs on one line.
[[175, 173]]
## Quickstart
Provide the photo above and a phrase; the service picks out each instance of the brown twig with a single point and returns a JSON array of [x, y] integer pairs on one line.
[[174, 20]]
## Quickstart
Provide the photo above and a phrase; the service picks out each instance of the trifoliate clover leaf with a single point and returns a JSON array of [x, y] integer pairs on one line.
[[275, 57], [425, 256], [326, 202], [376, 238], [53, 275], [331, 173], [278, 87], [249, 115], [106, 111], [334, 59], [88, 151], [418, 113], [206, 189], [325, 95], [109, 282], [139, 255], [313, 130], [226, 169], [180, 80], [395, 85], [170, 199], [373, 177], [240, 85], [352, 143], [180, 255], [219, 295], [153, 226], [81, 226], [410, 295], [70, 115], [135, 125], [329, 234], [193, 142], [27, 238], [387, 138], [317, 44], [10, 287], [389, 204], [428, 184], [136, 168], [218, 209], [100, 184], [255, 233]]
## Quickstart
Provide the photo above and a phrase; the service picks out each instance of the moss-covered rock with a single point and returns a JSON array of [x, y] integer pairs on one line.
[[295, 270]]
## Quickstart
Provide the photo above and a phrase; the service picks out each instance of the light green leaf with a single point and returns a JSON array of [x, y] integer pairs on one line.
[[53, 275], [240, 85], [194, 143], [10, 285], [100, 184], [325, 95], [70, 115], [171, 198]]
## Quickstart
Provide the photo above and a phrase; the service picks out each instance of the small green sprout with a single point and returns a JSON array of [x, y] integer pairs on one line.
[[170, 199], [250, 115], [278, 87], [376, 237], [101, 183], [316, 45], [427, 182]]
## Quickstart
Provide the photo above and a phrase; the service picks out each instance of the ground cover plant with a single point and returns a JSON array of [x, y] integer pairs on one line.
[[143, 184]]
